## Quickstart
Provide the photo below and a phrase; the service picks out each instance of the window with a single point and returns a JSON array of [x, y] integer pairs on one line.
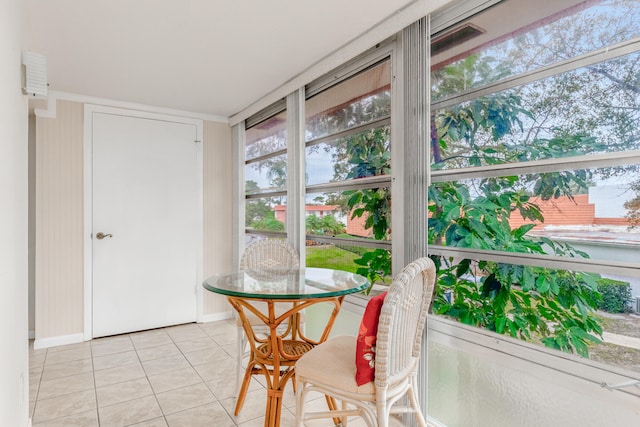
[[348, 172], [535, 173], [266, 175]]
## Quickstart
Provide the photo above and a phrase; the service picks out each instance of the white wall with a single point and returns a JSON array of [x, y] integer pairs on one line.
[[478, 379], [14, 357]]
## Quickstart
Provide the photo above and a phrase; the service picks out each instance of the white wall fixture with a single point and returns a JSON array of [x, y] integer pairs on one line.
[[34, 74]]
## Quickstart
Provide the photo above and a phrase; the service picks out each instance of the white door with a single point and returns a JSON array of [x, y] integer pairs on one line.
[[145, 202]]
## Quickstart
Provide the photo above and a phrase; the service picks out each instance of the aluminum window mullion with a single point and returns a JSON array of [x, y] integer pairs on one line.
[[295, 223], [453, 14], [385, 121], [549, 261], [272, 110], [267, 156], [354, 184], [367, 60], [265, 195], [238, 133], [539, 166], [590, 58]]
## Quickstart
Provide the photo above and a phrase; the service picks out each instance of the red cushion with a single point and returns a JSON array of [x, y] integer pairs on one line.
[[366, 342]]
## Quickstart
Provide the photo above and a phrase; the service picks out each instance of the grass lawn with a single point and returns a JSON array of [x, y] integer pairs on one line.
[[328, 256]]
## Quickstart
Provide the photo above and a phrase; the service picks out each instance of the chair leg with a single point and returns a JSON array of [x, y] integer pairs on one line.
[[382, 410], [413, 399], [300, 395]]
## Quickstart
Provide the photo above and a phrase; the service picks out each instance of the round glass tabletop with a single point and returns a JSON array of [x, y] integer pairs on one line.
[[276, 284]]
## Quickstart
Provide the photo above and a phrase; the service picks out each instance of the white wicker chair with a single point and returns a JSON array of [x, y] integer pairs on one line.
[[330, 367], [260, 256]]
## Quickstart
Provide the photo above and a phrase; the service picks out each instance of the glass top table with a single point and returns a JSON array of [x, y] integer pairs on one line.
[[278, 284], [274, 356]]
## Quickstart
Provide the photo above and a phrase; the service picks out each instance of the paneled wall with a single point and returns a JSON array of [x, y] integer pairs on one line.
[[59, 264], [217, 202], [58, 222]]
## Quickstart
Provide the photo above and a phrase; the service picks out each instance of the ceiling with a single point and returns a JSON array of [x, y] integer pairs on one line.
[[205, 56]]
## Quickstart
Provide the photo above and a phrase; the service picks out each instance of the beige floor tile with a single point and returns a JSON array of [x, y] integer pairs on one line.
[[121, 392], [150, 339], [61, 406], [115, 360], [197, 344], [174, 379], [225, 387], [225, 327], [289, 398], [34, 377], [37, 360], [33, 391], [185, 398], [221, 368], [165, 364], [129, 412], [225, 339], [287, 419], [60, 370], [254, 406], [209, 355], [165, 350], [203, 416], [156, 422], [186, 333], [77, 346], [111, 346], [230, 349], [66, 385], [34, 351], [118, 375], [84, 419], [68, 355], [125, 386]]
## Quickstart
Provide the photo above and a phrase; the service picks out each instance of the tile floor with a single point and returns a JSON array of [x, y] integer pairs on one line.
[[177, 376]]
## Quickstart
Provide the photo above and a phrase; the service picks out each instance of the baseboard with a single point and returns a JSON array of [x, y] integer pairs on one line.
[[59, 340], [32, 334], [29, 422], [216, 316]]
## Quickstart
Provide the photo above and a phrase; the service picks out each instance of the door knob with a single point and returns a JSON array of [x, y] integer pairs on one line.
[[101, 235]]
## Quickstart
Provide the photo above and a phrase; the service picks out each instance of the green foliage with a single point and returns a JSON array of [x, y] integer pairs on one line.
[[521, 301], [368, 154], [256, 209], [615, 294], [268, 223], [375, 266], [324, 225]]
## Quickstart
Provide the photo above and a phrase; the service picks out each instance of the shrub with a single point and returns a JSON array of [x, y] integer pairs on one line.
[[615, 295]]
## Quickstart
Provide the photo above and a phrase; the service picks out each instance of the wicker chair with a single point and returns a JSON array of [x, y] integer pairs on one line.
[[259, 257], [401, 324]]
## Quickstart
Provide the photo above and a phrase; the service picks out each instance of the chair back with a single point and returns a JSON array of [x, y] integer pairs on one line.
[[269, 254], [402, 321]]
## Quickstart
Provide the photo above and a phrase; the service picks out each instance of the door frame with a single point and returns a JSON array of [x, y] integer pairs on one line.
[[89, 110]]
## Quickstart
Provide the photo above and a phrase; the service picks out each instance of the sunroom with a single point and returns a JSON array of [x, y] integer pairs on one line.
[[500, 138]]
